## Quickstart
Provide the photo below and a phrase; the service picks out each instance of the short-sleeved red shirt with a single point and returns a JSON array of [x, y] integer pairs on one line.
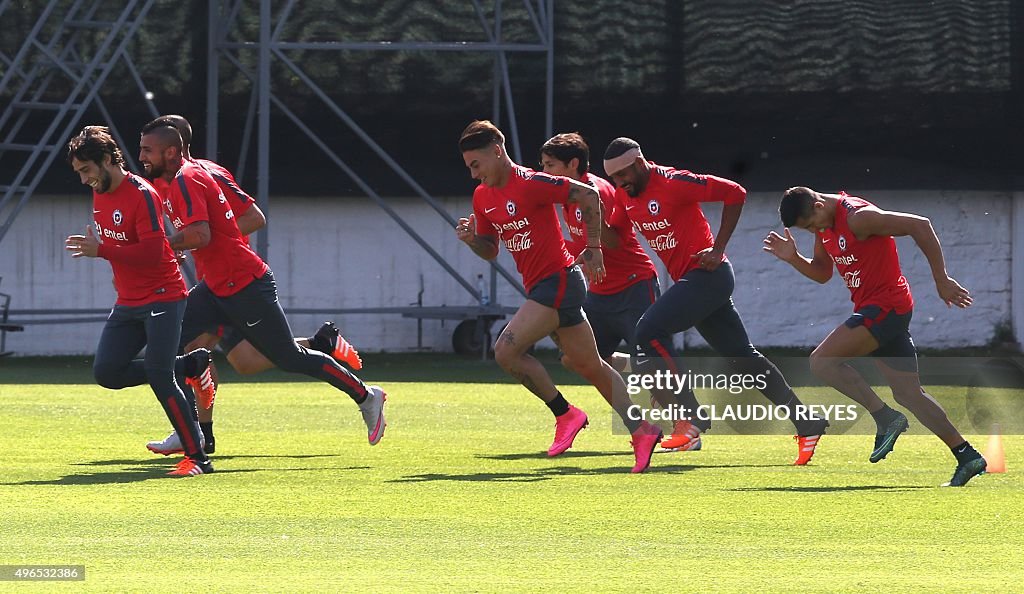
[[625, 265], [123, 218], [870, 268], [227, 264], [522, 214], [667, 213]]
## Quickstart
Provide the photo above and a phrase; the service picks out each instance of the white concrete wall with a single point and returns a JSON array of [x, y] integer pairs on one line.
[[349, 253]]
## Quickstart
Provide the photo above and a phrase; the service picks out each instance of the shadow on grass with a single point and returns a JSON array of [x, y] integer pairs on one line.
[[832, 489], [544, 455], [546, 474], [157, 468], [158, 459]]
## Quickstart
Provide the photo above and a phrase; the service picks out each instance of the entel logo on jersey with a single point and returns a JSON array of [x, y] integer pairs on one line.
[[511, 208], [118, 218], [654, 226], [653, 207], [842, 243], [116, 235], [513, 225], [845, 260]]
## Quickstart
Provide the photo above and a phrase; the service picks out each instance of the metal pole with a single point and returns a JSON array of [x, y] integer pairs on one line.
[[263, 140], [495, 88], [549, 92], [212, 78]]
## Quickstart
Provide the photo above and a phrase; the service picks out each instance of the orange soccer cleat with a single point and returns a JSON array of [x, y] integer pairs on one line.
[[685, 437], [189, 467], [805, 448]]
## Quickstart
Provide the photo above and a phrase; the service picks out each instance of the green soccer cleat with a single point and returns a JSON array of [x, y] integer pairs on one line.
[[885, 441], [966, 471]]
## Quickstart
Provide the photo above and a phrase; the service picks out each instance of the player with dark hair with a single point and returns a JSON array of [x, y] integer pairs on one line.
[[242, 356], [858, 237], [127, 217], [613, 305], [238, 288], [664, 204], [516, 204]]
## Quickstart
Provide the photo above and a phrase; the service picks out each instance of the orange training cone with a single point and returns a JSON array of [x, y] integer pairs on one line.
[[994, 454]]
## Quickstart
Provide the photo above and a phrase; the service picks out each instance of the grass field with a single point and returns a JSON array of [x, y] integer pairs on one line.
[[459, 496]]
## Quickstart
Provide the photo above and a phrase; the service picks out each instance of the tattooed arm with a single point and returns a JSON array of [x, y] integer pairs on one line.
[[589, 202]]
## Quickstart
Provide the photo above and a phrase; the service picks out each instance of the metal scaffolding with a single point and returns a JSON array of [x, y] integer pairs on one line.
[[56, 75], [58, 60], [272, 51]]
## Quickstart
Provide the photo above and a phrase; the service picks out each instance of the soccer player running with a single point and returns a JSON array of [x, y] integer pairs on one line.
[[242, 356], [858, 237], [516, 204], [127, 217], [238, 288], [615, 304], [664, 204]]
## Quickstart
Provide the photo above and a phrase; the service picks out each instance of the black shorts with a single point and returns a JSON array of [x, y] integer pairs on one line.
[[202, 315], [614, 317], [205, 314], [229, 338], [892, 331], [564, 291]]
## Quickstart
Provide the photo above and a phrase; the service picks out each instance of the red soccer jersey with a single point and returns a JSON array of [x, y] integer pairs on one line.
[[668, 213], [625, 265], [226, 263], [129, 223], [238, 201], [523, 215], [870, 268]]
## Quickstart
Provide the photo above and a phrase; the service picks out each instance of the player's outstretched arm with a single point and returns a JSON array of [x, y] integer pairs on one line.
[[482, 245], [192, 237], [818, 268], [872, 221]]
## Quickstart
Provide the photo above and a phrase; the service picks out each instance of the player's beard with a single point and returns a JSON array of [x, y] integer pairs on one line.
[[637, 186], [104, 186], [154, 171]]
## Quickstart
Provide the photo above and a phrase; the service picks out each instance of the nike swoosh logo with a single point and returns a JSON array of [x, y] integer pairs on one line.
[[155, 314], [253, 323], [630, 207], [825, 240], [962, 450], [97, 211], [490, 209]]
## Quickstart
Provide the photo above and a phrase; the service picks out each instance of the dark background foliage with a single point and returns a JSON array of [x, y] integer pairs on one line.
[[832, 93]]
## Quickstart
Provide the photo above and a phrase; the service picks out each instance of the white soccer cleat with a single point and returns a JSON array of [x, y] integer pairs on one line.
[[373, 413], [171, 445]]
